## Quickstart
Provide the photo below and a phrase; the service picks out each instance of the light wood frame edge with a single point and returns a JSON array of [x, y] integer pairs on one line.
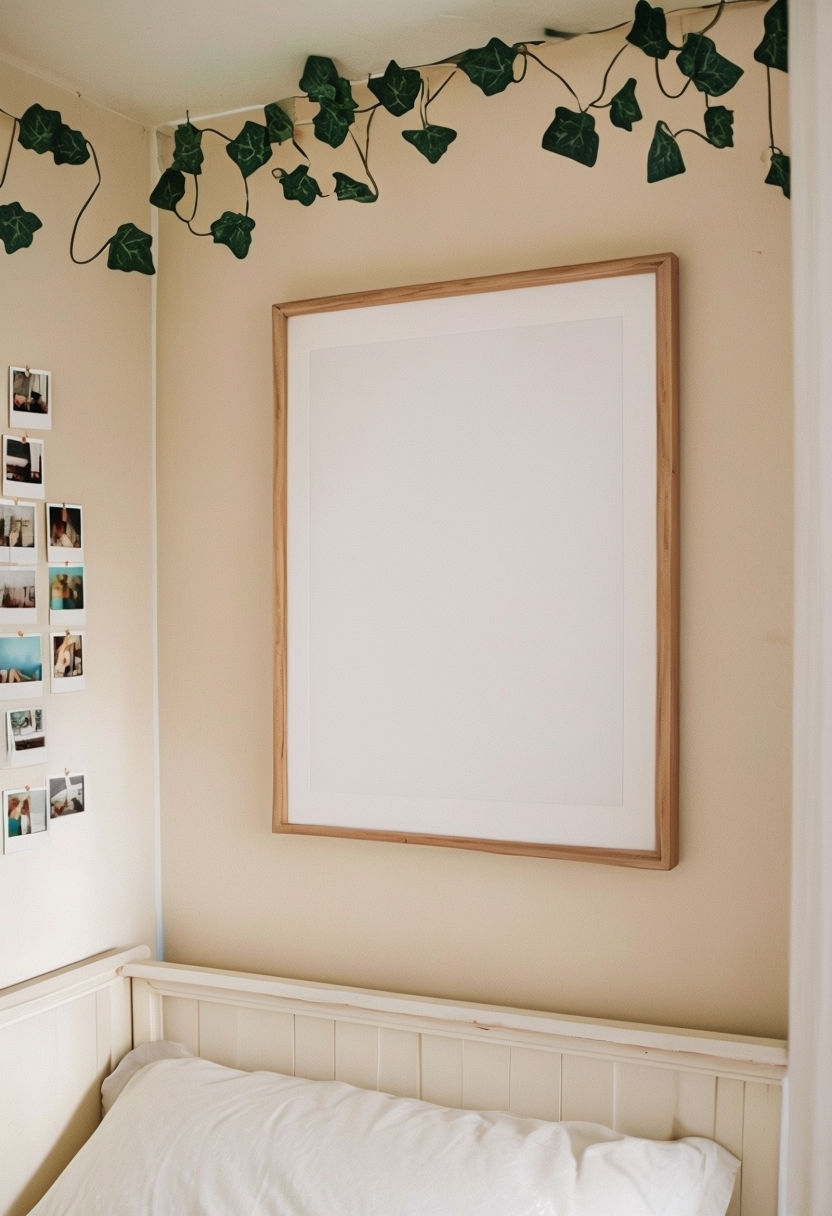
[[665, 267]]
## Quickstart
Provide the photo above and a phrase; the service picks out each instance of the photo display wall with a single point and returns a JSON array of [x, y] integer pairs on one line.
[[43, 599]]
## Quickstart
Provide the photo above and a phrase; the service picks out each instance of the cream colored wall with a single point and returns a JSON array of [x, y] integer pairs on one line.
[[704, 945], [89, 884]]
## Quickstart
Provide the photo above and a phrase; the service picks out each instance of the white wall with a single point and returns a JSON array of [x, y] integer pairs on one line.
[[89, 884], [705, 944]]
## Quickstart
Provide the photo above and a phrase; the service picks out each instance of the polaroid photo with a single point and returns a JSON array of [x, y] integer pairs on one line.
[[30, 398], [21, 666], [67, 661], [25, 736], [18, 532], [66, 595], [22, 467], [18, 595], [64, 532], [66, 795], [24, 817]]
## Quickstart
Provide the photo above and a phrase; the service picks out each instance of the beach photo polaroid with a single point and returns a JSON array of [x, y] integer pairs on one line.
[[64, 532], [66, 595], [66, 795], [18, 532], [67, 652], [30, 398], [24, 817], [21, 666], [18, 595], [22, 467], [25, 736]]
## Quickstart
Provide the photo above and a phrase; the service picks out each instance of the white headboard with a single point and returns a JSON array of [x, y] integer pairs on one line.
[[644, 1080], [61, 1034]]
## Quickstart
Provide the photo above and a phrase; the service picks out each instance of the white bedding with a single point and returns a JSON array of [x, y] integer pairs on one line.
[[186, 1137]]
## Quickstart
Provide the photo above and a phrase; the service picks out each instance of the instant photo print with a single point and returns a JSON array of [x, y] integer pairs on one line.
[[24, 817], [64, 533], [21, 666], [66, 595], [25, 736], [66, 795], [22, 467], [30, 398], [18, 532], [18, 595], [67, 661]]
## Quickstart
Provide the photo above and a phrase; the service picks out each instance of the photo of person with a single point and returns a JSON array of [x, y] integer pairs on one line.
[[30, 398], [21, 667], [24, 812], [18, 532], [64, 532], [25, 735], [67, 662], [19, 815], [18, 602], [24, 815], [22, 467], [66, 594], [66, 795]]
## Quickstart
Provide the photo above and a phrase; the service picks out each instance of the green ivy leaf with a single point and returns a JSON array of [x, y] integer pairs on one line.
[[572, 133], [624, 109], [344, 99], [234, 230], [649, 32], [336, 115], [780, 173], [347, 189], [251, 149], [69, 147], [432, 141], [17, 227], [664, 158], [319, 79], [773, 51], [38, 128], [711, 72], [719, 126], [397, 89], [331, 125], [130, 250], [300, 187], [169, 190], [187, 154], [490, 67], [278, 123]]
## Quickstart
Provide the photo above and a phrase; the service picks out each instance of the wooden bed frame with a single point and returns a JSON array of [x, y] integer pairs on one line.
[[60, 1035]]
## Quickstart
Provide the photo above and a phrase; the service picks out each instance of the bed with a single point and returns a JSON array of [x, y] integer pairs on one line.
[[350, 1094]]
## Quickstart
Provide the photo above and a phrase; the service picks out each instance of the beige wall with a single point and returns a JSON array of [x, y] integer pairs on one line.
[[89, 884], [704, 945]]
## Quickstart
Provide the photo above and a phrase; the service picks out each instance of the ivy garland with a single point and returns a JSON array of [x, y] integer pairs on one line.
[[399, 91]]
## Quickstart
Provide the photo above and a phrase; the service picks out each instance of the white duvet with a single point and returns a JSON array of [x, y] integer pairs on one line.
[[186, 1137]]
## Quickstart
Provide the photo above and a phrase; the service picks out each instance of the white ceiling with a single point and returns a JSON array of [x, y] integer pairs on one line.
[[153, 60]]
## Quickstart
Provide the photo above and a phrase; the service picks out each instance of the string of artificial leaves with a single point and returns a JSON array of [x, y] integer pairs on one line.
[[400, 91]]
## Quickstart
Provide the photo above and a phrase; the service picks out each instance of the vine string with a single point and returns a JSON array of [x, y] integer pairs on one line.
[[572, 132]]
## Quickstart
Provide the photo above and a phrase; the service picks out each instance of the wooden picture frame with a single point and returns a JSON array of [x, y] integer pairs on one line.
[[477, 563]]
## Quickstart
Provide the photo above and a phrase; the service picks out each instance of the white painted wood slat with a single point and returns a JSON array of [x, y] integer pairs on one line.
[[315, 1048], [587, 1089], [535, 1083], [399, 1063]]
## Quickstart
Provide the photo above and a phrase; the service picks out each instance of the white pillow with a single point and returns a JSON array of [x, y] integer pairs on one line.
[[194, 1138], [145, 1053]]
